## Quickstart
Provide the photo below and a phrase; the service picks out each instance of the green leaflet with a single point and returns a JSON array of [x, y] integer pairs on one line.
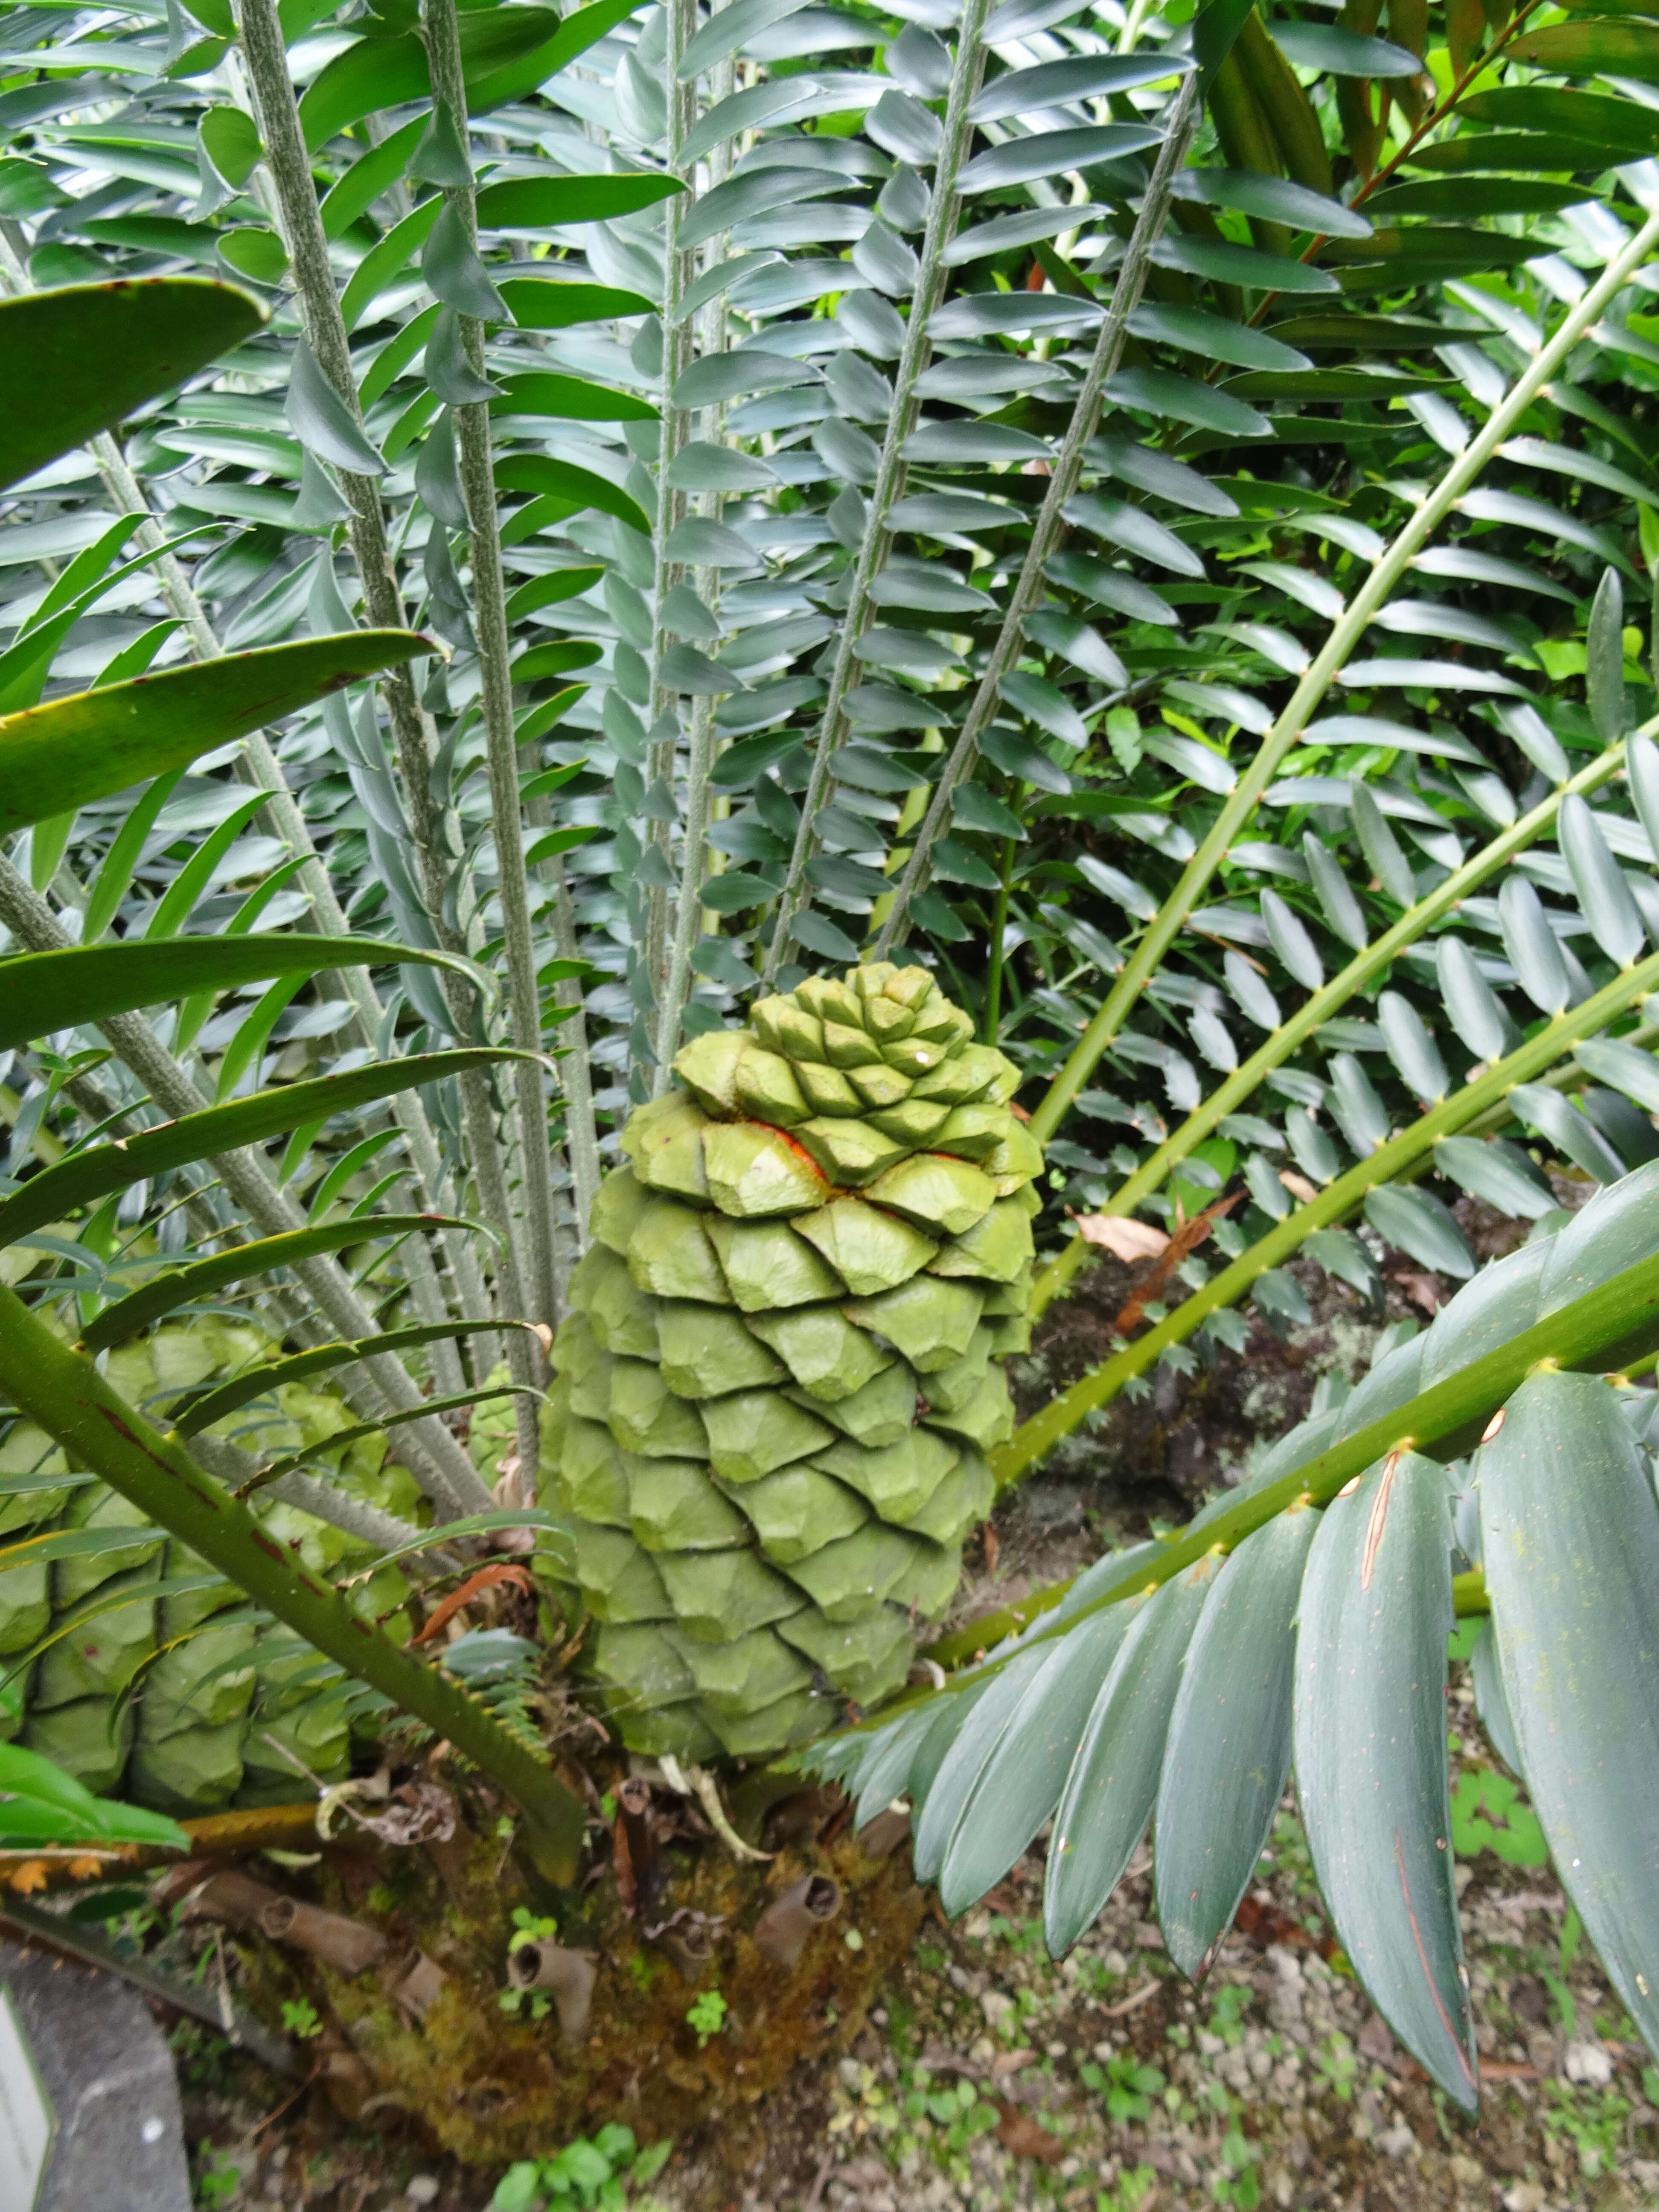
[[1598, 48], [1420, 1225], [342, 1438], [497, 47], [76, 1544], [570, 398], [1228, 1748], [1490, 1702], [545, 203], [1500, 1173], [1020, 1783], [1371, 1754], [1589, 119], [48, 991], [44, 1806], [369, 177], [969, 1735], [179, 1285], [323, 423], [76, 361], [58, 756], [87, 1176], [881, 1777], [257, 1382], [575, 488], [1570, 1537], [172, 909], [382, 264], [1113, 1782], [540, 303]]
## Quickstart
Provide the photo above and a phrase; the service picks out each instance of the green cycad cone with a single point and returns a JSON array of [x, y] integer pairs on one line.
[[779, 1384], [148, 1676]]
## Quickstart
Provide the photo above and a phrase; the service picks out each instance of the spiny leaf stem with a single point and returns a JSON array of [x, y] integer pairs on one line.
[[1062, 482], [942, 217]]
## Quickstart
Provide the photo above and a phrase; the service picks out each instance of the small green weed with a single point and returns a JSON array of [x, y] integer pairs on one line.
[[529, 1928], [202, 2056], [643, 1970], [1128, 2084], [300, 2018], [219, 2179], [708, 2016], [593, 2173], [1235, 2181], [1023, 1937], [1231, 2003], [959, 2112], [1094, 1978], [1592, 2120], [1490, 1814], [1131, 2193], [1563, 2010], [1335, 2060]]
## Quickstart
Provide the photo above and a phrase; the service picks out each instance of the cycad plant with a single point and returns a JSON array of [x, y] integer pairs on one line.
[[1112, 521]]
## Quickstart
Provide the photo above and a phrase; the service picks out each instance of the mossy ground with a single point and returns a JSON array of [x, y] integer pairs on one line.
[[985, 2078], [491, 2086]]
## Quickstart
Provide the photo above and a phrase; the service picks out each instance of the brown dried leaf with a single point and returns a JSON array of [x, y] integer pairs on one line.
[[1298, 1186], [1124, 1238], [420, 1813], [1023, 2135], [1422, 1289], [1187, 1237], [486, 1578]]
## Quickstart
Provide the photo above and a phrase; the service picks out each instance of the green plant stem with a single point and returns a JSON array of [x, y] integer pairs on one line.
[[444, 1472], [536, 1290], [1059, 1273], [1034, 1439], [63, 1392], [1345, 634], [998, 927], [679, 102], [986, 1630], [693, 852], [1027, 587], [943, 215], [575, 1076], [688, 908], [1576, 1337], [436, 841], [353, 1516], [278, 117]]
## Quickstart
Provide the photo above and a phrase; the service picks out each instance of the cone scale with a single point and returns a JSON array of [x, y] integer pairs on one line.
[[781, 1374]]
